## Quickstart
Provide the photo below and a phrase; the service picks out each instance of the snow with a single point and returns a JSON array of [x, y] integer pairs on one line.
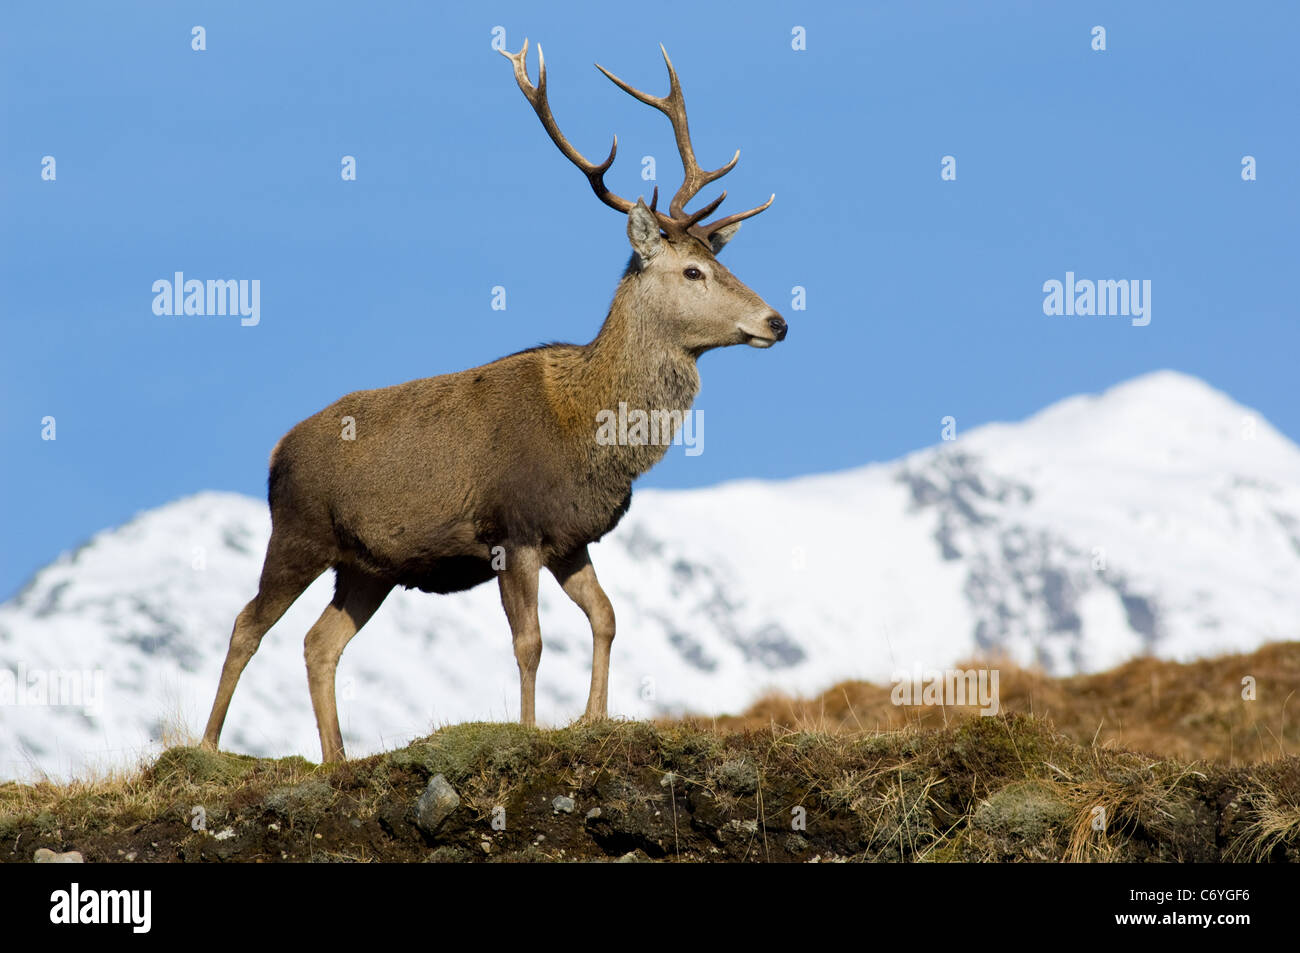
[[1159, 516]]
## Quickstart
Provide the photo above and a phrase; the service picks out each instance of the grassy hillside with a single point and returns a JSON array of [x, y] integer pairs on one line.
[[1102, 771], [1186, 711], [993, 789]]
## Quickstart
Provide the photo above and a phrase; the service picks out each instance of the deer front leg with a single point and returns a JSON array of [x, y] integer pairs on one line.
[[577, 576], [519, 596]]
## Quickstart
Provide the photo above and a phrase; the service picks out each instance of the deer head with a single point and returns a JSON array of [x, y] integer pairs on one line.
[[676, 285]]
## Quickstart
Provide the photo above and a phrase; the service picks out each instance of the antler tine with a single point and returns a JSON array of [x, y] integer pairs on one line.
[[719, 224], [707, 210], [536, 96], [674, 107]]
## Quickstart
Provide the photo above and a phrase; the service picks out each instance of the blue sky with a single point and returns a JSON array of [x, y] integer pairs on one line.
[[924, 297]]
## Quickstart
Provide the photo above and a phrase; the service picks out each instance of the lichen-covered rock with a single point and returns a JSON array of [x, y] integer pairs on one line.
[[46, 856], [563, 805], [435, 804]]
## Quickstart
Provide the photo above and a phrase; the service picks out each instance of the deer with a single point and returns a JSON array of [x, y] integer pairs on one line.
[[447, 482]]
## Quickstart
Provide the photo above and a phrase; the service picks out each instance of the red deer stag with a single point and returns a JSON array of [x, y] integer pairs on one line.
[[496, 471]]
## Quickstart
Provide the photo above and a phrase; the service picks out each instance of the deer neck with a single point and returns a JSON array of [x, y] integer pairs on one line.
[[630, 366], [631, 360]]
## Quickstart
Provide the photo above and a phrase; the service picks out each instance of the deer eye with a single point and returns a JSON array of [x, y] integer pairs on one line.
[[694, 274]]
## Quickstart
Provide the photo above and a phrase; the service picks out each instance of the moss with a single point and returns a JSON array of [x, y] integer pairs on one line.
[[457, 751], [199, 765], [1030, 811], [610, 734], [737, 776], [681, 747], [418, 757], [1011, 746], [891, 745], [293, 764]]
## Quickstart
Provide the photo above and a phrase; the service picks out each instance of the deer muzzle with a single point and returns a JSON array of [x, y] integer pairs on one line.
[[773, 327]]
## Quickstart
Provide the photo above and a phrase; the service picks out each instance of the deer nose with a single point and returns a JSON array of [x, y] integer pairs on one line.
[[778, 326]]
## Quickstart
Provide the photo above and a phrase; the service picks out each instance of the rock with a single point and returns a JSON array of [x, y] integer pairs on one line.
[[46, 856], [435, 804], [563, 805], [593, 814]]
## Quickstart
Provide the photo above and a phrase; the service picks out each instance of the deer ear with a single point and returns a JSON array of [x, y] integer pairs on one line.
[[722, 236], [643, 231]]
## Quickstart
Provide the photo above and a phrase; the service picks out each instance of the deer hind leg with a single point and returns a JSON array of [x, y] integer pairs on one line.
[[356, 597], [519, 596], [577, 576], [287, 571]]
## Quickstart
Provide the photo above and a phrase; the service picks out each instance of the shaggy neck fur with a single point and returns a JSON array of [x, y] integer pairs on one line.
[[632, 360]]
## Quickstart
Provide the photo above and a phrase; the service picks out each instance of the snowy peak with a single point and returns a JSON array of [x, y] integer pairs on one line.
[[1165, 418]]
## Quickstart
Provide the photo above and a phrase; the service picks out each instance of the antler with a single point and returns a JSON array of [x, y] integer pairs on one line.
[[536, 96], [674, 107], [677, 221]]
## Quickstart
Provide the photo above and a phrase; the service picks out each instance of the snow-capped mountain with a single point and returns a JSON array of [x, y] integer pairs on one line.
[[1158, 517]]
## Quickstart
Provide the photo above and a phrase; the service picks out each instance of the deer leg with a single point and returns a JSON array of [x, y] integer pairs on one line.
[[356, 597], [284, 578], [519, 597], [577, 576]]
